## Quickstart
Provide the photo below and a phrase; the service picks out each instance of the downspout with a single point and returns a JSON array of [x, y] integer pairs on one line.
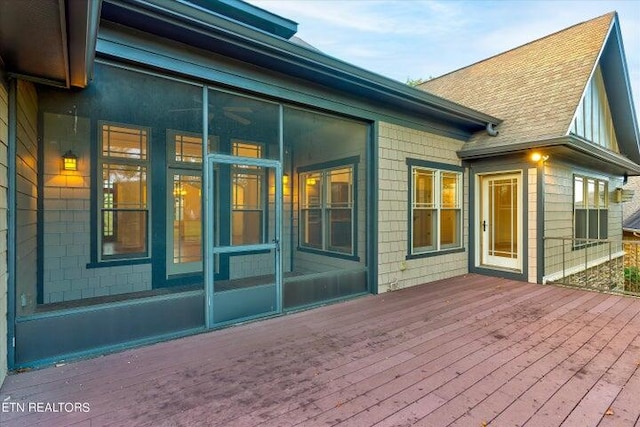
[[490, 130]]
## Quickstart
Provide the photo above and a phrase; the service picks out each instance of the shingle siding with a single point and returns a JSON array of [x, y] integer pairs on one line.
[[67, 223], [396, 144], [26, 197], [4, 137], [558, 213]]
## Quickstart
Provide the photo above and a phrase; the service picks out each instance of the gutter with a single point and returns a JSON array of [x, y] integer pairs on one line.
[[570, 141], [265, 50]]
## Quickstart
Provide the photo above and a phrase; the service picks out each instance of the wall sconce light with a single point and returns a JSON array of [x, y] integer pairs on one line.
[[69, 161], [536, 157], [617, 195]]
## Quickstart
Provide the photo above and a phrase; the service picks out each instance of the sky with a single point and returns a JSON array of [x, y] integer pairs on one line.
[[412, 39]]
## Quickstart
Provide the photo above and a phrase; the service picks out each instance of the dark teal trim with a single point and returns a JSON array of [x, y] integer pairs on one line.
[[540, 224], [331, 164], [504, 274], [119, 262], [12, 224], [182, 279], [353, 161], [328, 253], [157, 210], [372, 216], [116, 44], [435, 253], [420, 163], [433, 165], [40, 215], [497, 167], [93, 190], [101, 351], [253, 16], [324, 302], [239, 42]]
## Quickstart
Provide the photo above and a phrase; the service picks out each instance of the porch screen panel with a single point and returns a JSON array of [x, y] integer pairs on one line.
[[325, 157]]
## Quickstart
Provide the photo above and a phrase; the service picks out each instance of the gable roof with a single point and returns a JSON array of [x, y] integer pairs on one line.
[[536, 88], [632, 223]]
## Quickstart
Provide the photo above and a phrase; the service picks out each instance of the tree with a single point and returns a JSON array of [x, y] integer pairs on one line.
[[415, 82]]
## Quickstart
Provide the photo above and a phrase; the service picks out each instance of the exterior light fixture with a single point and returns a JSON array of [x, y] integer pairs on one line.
[[536, 157], [69, 161], [285, 179]]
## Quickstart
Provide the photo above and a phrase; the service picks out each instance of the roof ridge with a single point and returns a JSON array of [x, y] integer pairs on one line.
[[612, 14]]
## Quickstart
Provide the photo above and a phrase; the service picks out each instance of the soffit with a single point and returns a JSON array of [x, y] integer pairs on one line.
[[49, 41]]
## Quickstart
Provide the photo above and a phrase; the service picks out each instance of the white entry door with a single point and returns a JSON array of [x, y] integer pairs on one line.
[[501, 221]]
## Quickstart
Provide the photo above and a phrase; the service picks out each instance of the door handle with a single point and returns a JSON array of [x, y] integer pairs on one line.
[[484, 225]]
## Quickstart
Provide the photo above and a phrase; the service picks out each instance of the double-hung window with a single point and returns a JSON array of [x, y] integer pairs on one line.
[[123, 196], [327, 208], [436, 207], [248, 196], [184, 208], [590, 208]]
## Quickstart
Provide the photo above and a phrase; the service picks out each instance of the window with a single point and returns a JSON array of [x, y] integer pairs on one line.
[[590, 208], [247, 197], [436, 208], [327, 209], [124, 214], [184, 195]]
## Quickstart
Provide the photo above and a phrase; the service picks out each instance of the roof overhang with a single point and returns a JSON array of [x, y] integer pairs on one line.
[[616, 80], [569, 148], [208, 31], [49, 41]]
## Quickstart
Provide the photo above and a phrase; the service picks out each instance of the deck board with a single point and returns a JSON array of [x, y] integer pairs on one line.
[[458, 352]]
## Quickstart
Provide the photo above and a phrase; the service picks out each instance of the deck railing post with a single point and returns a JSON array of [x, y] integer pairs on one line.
[[610, 266], [564, 265]]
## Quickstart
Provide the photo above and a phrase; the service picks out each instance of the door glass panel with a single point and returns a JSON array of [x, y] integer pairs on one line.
[[500, 222], [503, 214]]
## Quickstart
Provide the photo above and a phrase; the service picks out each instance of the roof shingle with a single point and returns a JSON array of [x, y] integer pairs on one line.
[[535, 88]]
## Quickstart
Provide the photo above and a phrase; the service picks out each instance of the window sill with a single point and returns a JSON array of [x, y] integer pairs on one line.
[[435, 253], [118, 263]]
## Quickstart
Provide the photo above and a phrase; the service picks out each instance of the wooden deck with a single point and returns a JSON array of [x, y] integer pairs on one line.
[[460, 352]]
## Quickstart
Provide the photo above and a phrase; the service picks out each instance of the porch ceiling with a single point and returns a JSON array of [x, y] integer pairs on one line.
[[49, 41]]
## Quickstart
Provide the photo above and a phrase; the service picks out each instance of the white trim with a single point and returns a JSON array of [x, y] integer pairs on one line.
[[483, 259]]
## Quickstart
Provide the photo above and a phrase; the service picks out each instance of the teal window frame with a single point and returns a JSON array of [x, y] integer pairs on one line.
[[323, 169], [438, 169], [597, 228]]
